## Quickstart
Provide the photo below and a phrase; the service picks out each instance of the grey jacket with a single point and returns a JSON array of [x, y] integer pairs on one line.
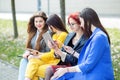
[[44, 47]]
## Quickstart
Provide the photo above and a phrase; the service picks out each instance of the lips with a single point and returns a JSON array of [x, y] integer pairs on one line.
[[39, 26]]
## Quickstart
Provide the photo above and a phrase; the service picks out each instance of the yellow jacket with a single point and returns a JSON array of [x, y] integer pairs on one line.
[[37, 67], [48, 57]]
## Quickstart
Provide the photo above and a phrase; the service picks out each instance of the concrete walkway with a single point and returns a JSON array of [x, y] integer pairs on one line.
[[8, 71], [109, 22]]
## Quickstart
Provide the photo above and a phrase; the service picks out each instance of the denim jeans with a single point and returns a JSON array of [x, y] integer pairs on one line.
[[22, 68]]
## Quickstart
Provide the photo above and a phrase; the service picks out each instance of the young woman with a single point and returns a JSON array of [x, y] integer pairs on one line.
[[38, 63], [36, 27], [75, 40], [94, 62]]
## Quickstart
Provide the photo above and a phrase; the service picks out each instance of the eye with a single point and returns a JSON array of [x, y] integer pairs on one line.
[[72, 24]]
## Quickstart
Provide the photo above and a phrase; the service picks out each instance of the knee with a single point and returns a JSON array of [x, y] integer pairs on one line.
[[24, 60], [49, 70]]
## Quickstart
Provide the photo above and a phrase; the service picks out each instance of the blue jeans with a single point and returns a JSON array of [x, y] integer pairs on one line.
[[22, 68]]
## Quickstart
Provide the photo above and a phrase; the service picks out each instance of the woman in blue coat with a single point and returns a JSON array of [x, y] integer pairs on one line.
[[94, 61]]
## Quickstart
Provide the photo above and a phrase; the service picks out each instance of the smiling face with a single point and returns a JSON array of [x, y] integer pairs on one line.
[[39, 23]]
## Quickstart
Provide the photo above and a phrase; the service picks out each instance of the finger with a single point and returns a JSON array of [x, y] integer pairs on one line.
[[59, 75], [55, 74], [63, 45], [58, 69], [34, 53], [30, 49], [52, 78], [65, 48], [29, 57]]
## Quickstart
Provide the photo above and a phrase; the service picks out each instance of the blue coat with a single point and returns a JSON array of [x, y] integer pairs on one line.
[[94, 60]]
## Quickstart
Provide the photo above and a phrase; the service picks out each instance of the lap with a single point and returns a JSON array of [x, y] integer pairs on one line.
[[67, 76], [54, 67], [42, 69]]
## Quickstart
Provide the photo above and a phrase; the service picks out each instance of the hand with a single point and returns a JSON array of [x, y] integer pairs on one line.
[[33, 56], [35, 52], [53, 45], [58, 53], [68, 49], [26, 54], [50, 44], [60, 72]]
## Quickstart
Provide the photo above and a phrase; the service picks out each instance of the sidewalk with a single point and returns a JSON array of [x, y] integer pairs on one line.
[[8, 71]]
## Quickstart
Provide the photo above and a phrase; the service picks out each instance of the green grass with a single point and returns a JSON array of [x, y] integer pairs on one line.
[[10, 48], [115, 50]]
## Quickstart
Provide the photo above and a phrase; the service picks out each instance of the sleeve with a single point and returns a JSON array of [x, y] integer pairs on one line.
[[63, 56], [71, 59], [47, 55], [61, 38], [50, 55], [95, 52]]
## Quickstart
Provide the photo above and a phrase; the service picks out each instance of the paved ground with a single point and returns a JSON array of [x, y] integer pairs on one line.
[[110, 22], [8, 71]]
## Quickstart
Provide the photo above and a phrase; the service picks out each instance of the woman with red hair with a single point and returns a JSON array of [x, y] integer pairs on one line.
[[94, 61], [74, 41]]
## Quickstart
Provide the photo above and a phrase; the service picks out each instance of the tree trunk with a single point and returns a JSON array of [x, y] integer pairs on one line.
[[39, 5], [14, 18], [62, 10]]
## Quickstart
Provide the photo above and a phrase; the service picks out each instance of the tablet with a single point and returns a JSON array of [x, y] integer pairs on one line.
[[46, 36]]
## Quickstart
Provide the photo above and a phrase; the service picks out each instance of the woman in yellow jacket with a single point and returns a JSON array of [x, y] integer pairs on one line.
[[39, 62]]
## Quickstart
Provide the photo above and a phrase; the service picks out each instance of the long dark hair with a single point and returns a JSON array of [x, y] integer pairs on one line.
[[31, 30], [91, 18], [56, 22]]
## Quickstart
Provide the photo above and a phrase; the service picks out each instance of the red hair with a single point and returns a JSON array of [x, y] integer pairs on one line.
[[74, 16]]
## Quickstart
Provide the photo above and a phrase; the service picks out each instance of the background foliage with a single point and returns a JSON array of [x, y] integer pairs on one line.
[[10, 48]]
